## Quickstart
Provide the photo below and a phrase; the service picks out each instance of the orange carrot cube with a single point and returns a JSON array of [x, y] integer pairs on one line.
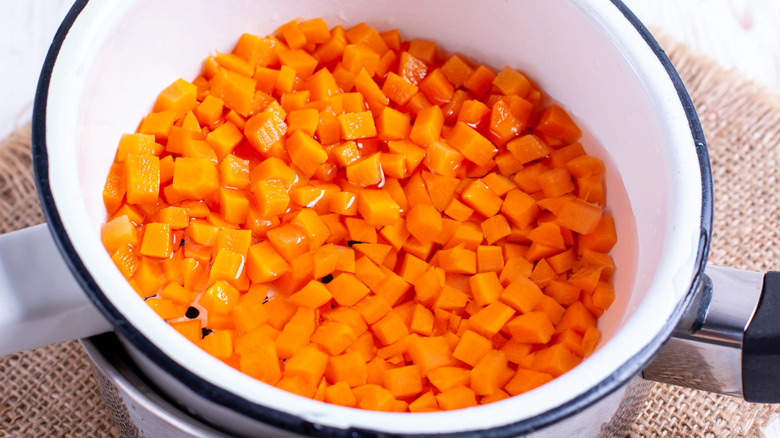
[[377, 207], [555, 122], [220, 298], [478, 196], [526, 380], [261, 363], [491, 318], [357, 125], [340, 394], [473, 145], [271, 197], [333, 337], [430, 353], [511, 81], [308, 363], [195, 178], [532, 327], [366, 172], [393, 125], [264, 263], [404, 381], [398, 89], [305, 152], [157, 241], [348, 368], [142, 173], [457, 397], [313, 295], [472, 348], [389, 329], [485, 287], [436, 87], [347, 289], [490, 258]]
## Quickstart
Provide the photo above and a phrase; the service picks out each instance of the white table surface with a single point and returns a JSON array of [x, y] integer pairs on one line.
[[739, 34]]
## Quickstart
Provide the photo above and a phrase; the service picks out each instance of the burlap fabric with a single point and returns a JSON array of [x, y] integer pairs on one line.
[[50, 392]]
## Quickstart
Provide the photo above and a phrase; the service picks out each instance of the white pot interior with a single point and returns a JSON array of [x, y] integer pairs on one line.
[[585, 54]]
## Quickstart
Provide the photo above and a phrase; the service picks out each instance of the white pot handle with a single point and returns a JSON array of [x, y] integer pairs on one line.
[[40, 301]]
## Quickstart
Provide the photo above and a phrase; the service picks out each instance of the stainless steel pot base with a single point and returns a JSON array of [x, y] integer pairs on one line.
[[137, 409]]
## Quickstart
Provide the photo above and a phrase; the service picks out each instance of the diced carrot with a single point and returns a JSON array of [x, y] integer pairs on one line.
[[367, 171], [543, 273], [295, 333], [556, 123], [489, 374], [424, 222], [403, 381], [430, 353], [427, 126], [603, 295], [511, 81], [360, 231], [265, 264], [555, 360], [118, 232], [495, 228], [471, 144], [248, 191], [442, 158], [491, 318], [436, 87], [522, 295], [305, 152], [564, 293], [194, 178], [221, 297], [445, 378], [576, 317], [424, 403], [393, 125], [375, 398], [490, 258], [458, 397], [156, 241], [308, 363], [366, 36], [333, 337], [389, 329], [528, 148], [398, 89], [478, 196], [459, 260], [347, 289], [313, 295], [526, 380], [349, 368], [590, 338], [532, 327], [357, 125], [142, 173], [579, 216], [601, 239], [377, 207], [469, 234]]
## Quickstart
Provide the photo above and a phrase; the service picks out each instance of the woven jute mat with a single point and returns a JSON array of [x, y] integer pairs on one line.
[[50, 392]]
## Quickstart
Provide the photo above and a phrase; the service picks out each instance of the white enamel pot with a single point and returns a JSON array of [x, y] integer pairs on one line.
[[110, 58]]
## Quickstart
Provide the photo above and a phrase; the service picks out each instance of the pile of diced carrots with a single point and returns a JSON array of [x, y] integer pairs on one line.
[[366, 221]]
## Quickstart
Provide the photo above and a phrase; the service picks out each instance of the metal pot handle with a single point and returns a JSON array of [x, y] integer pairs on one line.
[[729, 339], [40, 301]]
